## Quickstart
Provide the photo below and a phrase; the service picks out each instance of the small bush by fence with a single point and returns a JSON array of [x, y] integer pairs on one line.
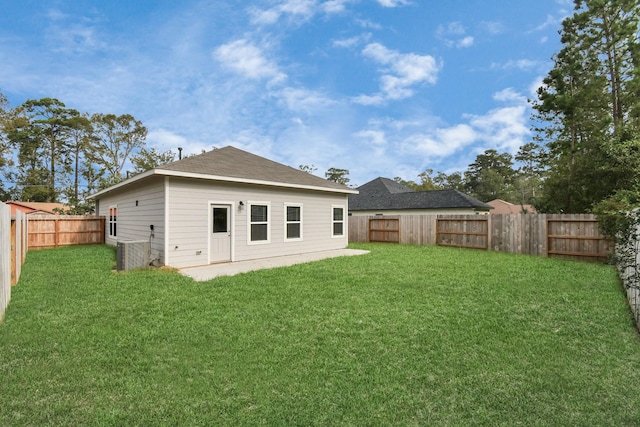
[[566, 236]]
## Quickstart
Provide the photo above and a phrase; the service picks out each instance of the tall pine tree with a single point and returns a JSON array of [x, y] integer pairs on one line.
[[588, 105]]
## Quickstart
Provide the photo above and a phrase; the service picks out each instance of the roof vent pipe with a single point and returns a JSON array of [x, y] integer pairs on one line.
[[179, 153]]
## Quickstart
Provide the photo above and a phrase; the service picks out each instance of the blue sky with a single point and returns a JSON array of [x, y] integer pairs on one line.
[[378, 87]]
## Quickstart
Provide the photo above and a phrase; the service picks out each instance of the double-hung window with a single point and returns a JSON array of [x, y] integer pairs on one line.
[[337, 221], [259, 226], [293, 222], [113, 221]]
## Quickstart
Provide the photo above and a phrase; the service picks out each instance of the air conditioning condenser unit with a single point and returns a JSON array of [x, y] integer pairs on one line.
[[132, 254]]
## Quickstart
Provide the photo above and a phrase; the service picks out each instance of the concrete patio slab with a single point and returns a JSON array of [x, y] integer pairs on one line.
[[208, 272]]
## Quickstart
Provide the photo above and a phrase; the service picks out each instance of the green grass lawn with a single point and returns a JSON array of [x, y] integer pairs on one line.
[[405, 335]]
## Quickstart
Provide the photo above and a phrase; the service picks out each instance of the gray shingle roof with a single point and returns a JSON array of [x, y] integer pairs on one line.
[[232, 162], [386, 194], [235, 165]]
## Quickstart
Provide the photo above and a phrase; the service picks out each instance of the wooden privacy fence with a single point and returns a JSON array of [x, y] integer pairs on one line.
[[13, 248], [52, 231], [567, 236]]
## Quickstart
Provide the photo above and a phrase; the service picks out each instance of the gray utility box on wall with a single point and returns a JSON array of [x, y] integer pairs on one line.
[[133, 254]]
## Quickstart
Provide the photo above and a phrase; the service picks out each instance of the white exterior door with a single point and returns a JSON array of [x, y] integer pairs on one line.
[[220, 237]]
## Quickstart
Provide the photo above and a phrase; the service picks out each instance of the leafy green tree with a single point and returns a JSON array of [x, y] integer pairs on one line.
[[81, 146], [40, 130], [5, 146], [452, 181], [427, 181], [147, 159], [527, 183], [337, 175], [409, 184], [308, 168], [489, 176], [5, 116], [118, 137]]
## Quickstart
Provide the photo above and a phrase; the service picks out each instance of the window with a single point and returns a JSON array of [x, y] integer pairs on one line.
[[220, 220], [259, 222], [293, 222], [113, 220], [337, 221]]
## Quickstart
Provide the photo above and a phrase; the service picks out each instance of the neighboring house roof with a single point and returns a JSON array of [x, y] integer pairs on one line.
[[386, 194], [234, 165], [35, 207], [503, 207]]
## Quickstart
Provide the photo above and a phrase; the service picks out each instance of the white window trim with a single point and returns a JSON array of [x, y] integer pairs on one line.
[[258, 242], [110, 223], [344, 222], [296, 205]]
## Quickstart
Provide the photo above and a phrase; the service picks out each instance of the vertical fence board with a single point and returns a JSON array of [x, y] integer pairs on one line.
[[5, 258]]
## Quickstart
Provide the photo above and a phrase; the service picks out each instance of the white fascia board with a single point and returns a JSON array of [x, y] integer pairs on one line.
[[123, 183]]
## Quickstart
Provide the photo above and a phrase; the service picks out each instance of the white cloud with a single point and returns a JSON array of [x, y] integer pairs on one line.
[[352, 41], [503, 128], [301, 9], [492, 27], [376, 137], [451, 29], [303, 100], [365, 23], [297, 10], [248, 60], [509, 95], [72, 35], [465, 42], [393, 3], [440, 142], [453, 34], [334, 6], [164, 139], [551, 21], [401, 71], [518, 64], [377, 99], [535, 85]]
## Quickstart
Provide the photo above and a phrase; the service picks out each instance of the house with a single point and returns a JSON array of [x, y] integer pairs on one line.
[[383, 196], [226, 205], [503, 207], [36, 207]]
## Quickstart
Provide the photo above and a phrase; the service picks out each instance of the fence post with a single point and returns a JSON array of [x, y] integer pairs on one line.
[[5, 258], [56, 231], [14, 251]]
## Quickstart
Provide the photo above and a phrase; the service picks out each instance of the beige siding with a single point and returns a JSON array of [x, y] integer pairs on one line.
[[133, 221], [189, 228]]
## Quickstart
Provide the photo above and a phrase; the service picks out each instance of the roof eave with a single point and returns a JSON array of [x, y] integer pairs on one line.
[[178, 174]]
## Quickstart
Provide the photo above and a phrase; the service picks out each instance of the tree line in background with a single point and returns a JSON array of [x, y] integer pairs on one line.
[[584, 156], [51, 153]]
